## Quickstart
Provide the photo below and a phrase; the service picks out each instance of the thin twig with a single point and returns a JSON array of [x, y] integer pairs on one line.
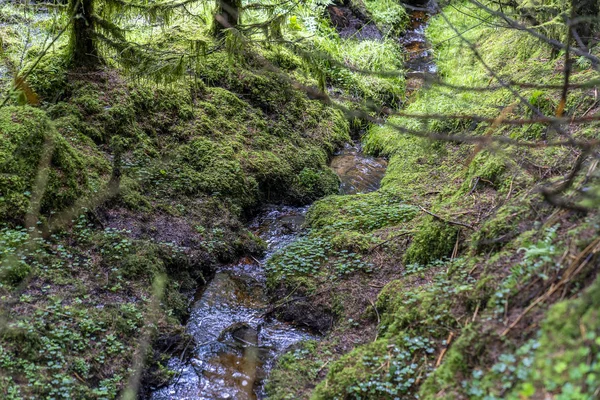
[[446, 220]]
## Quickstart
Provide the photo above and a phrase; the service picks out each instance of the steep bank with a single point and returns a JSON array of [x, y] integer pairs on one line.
[[465, 258], [456, 279]]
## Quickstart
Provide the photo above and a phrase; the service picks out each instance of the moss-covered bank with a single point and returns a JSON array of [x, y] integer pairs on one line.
[[461, 295], [131, 194]]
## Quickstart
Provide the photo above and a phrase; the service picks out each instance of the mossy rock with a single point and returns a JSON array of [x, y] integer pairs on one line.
[[28, 141], [312, 184], [434, 240]]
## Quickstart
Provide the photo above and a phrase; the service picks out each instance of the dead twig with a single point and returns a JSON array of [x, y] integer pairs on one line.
[[444, 350], [576, 266], [446, 220]]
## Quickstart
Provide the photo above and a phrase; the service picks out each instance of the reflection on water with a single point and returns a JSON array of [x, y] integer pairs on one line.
[[235, 344]]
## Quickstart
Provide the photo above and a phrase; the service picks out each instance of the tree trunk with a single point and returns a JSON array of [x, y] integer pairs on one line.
[[227, 15], [588, 11], [83, 44]]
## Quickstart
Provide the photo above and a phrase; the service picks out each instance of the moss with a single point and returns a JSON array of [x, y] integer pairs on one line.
[[566, 362], [49, 78], [313, 184], [13, 272], [434, 240], [361, 213], [500, 228], [28, 136], [458, 363], [294, 371], [485, 169], [352, 241]]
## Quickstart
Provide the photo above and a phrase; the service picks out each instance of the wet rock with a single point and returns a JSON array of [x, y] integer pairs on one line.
[[242, 333]]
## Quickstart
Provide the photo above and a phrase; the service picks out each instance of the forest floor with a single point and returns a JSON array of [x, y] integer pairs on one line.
[[456, 279]]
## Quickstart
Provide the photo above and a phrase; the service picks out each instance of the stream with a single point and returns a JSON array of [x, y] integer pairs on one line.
[[236, 345]]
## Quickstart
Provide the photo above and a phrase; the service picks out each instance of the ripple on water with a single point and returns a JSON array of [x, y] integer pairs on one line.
[[236, 345]]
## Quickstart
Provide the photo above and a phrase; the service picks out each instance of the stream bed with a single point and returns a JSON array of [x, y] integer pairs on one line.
[[235, 344]]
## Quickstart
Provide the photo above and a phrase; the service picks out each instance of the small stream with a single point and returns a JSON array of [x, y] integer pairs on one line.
[[236, 345]]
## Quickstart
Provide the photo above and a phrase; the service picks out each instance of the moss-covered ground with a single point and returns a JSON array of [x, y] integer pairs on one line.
[[119, 196], [490, 297]]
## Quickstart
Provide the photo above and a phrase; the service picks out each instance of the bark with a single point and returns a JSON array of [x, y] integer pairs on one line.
[[227, 15], [589, 11], [83, 42]]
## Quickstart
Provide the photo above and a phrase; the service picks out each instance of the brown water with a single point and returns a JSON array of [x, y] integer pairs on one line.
[[235, 344], [358, 173], [419, 63]]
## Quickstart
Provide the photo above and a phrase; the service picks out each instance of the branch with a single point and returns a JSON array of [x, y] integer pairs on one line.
[[446, 220]]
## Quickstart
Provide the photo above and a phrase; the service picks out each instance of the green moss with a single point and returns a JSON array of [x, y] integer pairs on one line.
[[313, 184], [434, 240], [352, 241], [28, 139], [294, 371], [485, 169], [567, 363], [458, 362], [49, 78], [362, 212]]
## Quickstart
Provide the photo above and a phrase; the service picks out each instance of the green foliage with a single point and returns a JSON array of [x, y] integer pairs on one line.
[[14, 254], [567, 362], [295, 369], [361, 213], [390, 16], [537, 261]]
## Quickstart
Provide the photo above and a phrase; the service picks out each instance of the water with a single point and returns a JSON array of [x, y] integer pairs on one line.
[[358, 173], [420, 62], [236, 344]]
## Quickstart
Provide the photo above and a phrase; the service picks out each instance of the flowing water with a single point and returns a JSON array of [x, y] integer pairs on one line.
[[235, 344], [420, 62], [358, 173]]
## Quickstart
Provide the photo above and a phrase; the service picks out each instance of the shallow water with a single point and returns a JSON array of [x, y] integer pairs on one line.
[[419, 62], [236, 345], [358, 173]]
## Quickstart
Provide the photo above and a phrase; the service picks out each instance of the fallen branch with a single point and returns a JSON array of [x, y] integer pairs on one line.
[[446, 220], [444, 350], [576, 266]]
